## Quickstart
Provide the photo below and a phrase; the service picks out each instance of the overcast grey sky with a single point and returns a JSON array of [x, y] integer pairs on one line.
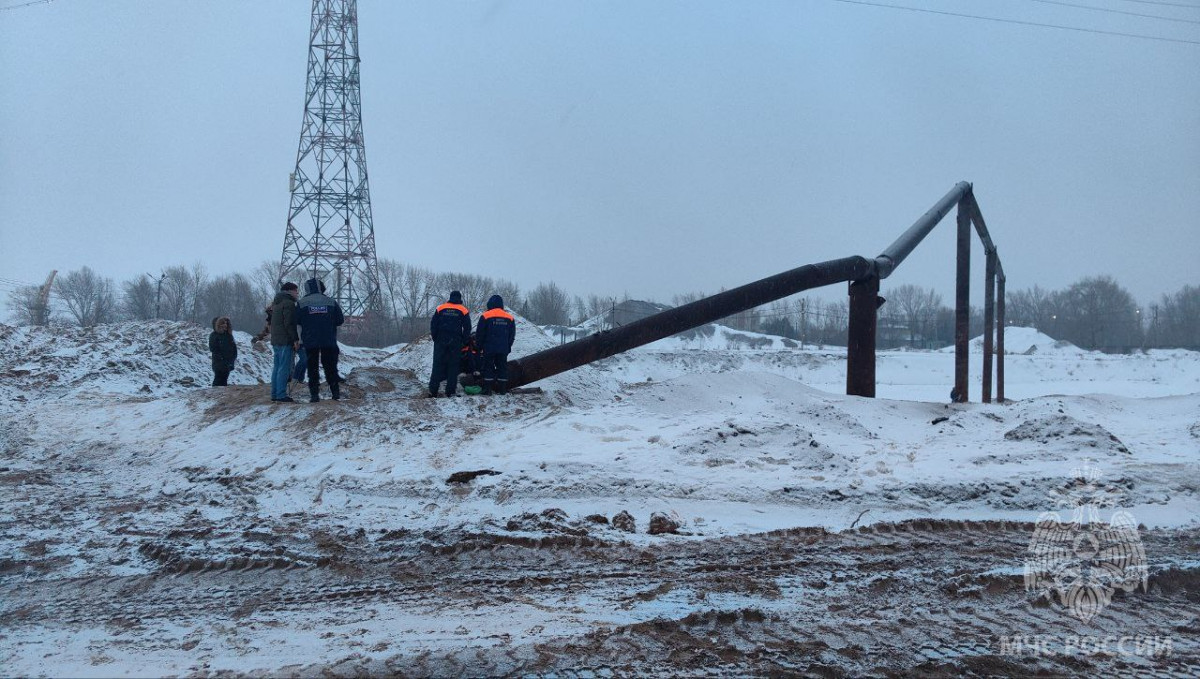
[[648, 148]]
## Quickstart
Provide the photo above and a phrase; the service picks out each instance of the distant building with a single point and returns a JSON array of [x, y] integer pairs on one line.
[[633, 310]]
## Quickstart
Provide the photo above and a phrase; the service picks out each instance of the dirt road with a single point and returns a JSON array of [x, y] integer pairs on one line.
[[928, 597]]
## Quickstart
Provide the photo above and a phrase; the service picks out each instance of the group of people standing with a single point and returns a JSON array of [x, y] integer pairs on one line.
[[303, 332], [482, 356], [305, 328]]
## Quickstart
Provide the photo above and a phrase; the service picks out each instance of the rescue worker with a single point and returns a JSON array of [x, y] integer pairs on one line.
[[450, 328], [495, 334], [468, 366], [319, 316]]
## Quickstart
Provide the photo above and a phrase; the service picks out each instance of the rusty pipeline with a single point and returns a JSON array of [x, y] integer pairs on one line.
[[564, 357]]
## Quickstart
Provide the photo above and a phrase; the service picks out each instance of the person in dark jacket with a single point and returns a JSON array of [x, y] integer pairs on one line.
[[224, 350], [284, 340], [495, 334], [319, 316], [469, 365], [450, 328]]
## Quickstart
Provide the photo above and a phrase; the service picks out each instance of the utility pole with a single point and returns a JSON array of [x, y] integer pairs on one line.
[[329, 227], [158, 294]]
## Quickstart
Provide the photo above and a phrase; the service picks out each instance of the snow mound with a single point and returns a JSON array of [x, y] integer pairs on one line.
[[147, 357], [1018, 340], [144, 358], [719, 337]]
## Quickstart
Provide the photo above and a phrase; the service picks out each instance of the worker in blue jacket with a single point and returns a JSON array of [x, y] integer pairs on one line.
[[319, 316], [450, 328], [495, 334]]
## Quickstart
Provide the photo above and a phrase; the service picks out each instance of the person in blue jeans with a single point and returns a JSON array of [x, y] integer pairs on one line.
[[300, 372], [284, 340]]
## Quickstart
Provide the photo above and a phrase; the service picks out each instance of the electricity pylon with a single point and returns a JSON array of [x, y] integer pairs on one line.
[[330, 235]]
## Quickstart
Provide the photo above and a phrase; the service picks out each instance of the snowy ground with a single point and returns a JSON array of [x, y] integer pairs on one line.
[[158, 527]]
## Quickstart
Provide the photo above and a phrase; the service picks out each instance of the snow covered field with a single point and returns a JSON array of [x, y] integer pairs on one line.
[[131, 491]]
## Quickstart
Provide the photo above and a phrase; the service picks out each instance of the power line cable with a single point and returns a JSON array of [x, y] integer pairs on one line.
[[1164, 4], [1116, 11], [26, 4], [1018, 22]]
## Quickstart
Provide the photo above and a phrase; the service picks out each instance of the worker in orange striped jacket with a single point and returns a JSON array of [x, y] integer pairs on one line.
[[495, 334], [450, 328]]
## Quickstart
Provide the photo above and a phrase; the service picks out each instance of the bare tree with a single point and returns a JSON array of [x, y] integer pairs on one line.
[[1175, 321], [835, 320], [916, 307], [686, 298], [474, 288], [1097, 313], [1033, 308], [88, 296], [181, 292], [510, 291], [578, 310], [264, 279], [597, 306], [547, 304], [391, 283], [233, 296], [416, 299], [779, 318], [137, 299], [26, 304]]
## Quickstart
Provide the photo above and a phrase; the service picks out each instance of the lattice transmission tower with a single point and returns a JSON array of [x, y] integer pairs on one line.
[[330, 234]]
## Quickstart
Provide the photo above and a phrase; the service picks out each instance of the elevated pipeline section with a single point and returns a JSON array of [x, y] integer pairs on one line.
[[862, 272], [693, 315]]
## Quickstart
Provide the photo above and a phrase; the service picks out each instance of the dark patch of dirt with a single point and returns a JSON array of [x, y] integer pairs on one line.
[[624, 521], [467, 477], [1067, 429], [661, 523]]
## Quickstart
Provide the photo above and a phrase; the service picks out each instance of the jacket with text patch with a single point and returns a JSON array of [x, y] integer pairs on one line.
[[318, 316]]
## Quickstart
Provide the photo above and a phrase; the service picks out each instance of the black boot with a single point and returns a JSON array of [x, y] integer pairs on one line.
[[314, 396], [336, 390]]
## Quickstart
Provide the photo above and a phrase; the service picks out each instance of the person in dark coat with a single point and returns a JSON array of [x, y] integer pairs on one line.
[[284, 340], [495, 334], [319, 316], [224, 350], [469, 365], [450, 329]]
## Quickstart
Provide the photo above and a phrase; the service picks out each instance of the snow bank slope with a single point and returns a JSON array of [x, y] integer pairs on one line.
[[144, 358], [147, 357]]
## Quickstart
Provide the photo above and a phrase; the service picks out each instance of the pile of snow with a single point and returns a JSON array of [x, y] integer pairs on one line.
[[1019, 340], [147, 357], [719, 337]]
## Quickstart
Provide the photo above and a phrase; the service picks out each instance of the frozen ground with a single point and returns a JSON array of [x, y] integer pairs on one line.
[[157, 527]]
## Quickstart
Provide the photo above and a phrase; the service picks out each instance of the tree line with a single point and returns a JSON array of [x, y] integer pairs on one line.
[[1093, 313]]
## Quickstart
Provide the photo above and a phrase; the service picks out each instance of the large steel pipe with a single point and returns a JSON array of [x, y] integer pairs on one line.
[[664, 324], [895, 253]]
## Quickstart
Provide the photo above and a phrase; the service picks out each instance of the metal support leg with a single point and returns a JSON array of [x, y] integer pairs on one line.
[[860, 345], [989, 321], [962, 303], [1000, 340]]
